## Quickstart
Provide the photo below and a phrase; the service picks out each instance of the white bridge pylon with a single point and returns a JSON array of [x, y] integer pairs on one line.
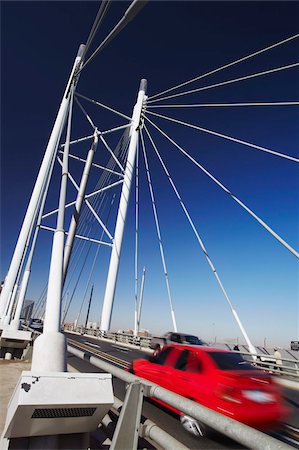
[[137, 122]]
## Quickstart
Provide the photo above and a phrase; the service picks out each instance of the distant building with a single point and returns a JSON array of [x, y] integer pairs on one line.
[[144, 333], [27, 309], [92, 325]]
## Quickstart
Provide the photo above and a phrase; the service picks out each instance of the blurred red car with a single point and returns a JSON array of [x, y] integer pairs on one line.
[[218, 379]]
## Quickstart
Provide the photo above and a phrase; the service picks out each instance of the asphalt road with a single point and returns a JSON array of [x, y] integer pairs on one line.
[[121, 356]]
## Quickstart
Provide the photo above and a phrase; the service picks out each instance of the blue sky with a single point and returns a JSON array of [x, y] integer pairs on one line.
[[169, 43]]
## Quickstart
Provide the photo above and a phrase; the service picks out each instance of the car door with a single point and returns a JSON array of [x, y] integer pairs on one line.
[[189, 376], [159, 369]]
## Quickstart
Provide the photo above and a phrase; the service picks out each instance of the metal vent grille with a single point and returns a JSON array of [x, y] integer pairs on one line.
[[58, 413]]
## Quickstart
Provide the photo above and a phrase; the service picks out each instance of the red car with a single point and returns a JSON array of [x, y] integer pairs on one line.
[[218, 379]]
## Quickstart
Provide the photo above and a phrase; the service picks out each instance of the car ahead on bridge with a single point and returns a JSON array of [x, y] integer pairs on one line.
[[36, 324], [218, 379], [175, 338]]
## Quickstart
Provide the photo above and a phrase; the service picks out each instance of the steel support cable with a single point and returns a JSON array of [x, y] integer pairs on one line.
[[225, 136], [101, 137], [222, 105], [80, 247], [97, 166], [223, 83], [63, 187], [92, 194], [43, 300], [244, 58], [25, 280], [112, 154], [77, 252], [102, 200], [86, 138], [134, 8], [39, 301], [257, 218], [38, 214], [92, 209], [103, 179], [198, 237], [96, 102], [158, 231], [77, 282], [87, 116], [55, 279], [105, 4], [93, 264], [79, 276]]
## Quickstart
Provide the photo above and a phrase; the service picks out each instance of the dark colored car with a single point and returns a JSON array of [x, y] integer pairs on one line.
[[37, 325], [295, 345], [177, 338], [218, 379]]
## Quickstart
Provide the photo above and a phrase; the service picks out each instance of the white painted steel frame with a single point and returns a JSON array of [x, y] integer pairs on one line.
[[92, 210], [86, 138], [122, 212], [37, 190], [140, 300], [26, 276], [136, 243], [95, 165], [78, 206], [78, 236]]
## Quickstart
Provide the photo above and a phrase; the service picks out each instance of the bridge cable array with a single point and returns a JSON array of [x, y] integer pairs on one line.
[[267, 227], [244, 58]]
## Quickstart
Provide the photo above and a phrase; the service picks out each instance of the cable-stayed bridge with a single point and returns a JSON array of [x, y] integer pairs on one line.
[[93, 175]]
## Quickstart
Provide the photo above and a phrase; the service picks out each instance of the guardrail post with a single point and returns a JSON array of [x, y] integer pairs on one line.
[[127, 428]]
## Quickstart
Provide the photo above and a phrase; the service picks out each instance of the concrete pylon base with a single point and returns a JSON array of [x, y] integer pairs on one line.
[[49, 353]]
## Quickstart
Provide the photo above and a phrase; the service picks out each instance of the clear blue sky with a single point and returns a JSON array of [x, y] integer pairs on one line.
[[168, 43]]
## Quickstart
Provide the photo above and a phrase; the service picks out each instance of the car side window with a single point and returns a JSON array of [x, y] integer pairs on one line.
[[181, 362], [188, 362], [160, 358], [176, 338]]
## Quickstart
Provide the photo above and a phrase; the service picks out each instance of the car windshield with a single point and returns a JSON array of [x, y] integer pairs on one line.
[[192, 340], [230, 361]]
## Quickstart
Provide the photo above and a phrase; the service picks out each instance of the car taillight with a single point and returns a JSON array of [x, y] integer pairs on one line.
[[258, 396], [229, 394]]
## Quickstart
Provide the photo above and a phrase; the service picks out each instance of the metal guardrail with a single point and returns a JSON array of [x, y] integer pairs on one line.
[[289, 367], [237, 431], [138, 341]]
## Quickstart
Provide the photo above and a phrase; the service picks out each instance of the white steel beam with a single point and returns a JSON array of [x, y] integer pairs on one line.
[[79, 202], [122, 211], [37, 190]]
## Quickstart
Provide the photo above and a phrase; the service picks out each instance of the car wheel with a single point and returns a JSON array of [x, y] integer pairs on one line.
[[193, 426]]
